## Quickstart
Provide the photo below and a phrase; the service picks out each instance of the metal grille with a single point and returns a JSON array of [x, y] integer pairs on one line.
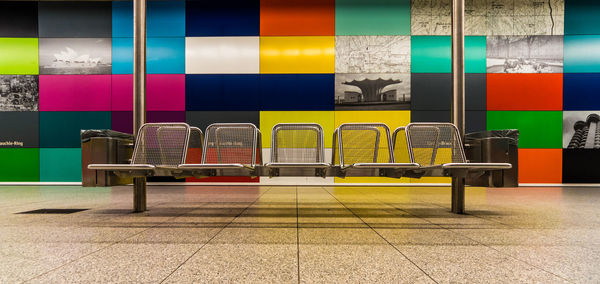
[[435, 143], [297, 143], [194, 154], [161, 144], [401, 151], [231, 143], [363, 143]]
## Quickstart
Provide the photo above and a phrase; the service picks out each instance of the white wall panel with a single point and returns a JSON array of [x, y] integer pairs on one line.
[[221, 55]]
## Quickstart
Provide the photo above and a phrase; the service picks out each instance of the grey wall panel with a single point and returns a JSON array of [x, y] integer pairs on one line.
[[19, 129], [75, 19], [18, 19], [431, 91], [475, 120], [475, 91], [202, 119]]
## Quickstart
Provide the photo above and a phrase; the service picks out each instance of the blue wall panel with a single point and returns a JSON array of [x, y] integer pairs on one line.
[[165, 55], [297, 91], [581, 91], [164, 18], [122, 55], [223, 18], [222, 92]]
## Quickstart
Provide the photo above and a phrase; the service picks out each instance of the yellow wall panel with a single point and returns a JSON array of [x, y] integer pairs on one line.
[[393, 119], [268, 119], [298, 54]]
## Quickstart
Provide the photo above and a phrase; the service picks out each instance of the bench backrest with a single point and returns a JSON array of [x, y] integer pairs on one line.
[[297, 143], [402, 153], [161, 144], [232, 143], [362, 143], [194, 152], [434, 143]]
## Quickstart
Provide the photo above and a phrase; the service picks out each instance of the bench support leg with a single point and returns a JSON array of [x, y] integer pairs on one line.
[[139, 194], [458, 191]]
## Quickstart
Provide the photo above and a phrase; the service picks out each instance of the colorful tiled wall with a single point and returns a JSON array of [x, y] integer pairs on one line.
[[66, 66]]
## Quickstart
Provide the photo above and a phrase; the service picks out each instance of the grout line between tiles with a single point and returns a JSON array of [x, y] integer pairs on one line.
[[297, 235], [214, 236], [381, 236], [107, 246], [465, 236]]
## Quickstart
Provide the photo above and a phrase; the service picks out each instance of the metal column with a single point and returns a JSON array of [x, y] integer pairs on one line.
[[458, 93], [139, 91]]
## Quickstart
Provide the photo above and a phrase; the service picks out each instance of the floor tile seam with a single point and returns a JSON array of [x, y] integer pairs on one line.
[[98, 250], [382, 237], [213, 237], [483, 218], [485, 245], [297, 236]]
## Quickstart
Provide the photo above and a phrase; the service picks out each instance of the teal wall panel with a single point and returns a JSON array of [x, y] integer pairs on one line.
[[582, 17], [372, 17], [60, 164], [582, 54], [475, 54], [62, 129], [430, 54]]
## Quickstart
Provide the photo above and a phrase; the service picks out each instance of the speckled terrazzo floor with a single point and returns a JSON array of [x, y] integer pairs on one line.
[[300, 234]]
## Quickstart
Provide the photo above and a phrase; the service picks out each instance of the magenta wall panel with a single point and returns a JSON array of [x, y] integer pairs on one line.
[[122, 92], [75, 93], [165, 92]]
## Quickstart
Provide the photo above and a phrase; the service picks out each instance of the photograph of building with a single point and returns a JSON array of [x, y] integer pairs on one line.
[[19, 93]]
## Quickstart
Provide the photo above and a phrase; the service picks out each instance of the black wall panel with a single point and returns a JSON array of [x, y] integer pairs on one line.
[[19, 127], [580, 166], [18, 19], [202, 119], [475, 120], [475, 91], [75, 19], [431, 91]]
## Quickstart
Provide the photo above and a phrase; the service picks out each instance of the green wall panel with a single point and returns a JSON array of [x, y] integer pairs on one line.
[[19, 56], [537, 129], [372, 17], [430, 54], [60, 164], [475, 54], [20, 164], [433, 54], [61, 129]]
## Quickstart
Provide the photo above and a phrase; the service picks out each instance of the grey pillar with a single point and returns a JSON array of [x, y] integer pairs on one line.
[[458, 96], [139, 91], [458, 65]]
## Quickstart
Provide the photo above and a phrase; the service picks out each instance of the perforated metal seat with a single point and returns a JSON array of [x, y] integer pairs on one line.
[[437, 147], [365, 149], [159, 149], [297, 149], [230, 149]]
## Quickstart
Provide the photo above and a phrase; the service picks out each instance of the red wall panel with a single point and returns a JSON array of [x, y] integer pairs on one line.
[[297, 17], [524, 91], [540, 165]]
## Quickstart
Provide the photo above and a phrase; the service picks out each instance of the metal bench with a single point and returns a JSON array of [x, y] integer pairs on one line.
[[230, 149], [365, 149], [437, 147], [297, 149], [159, 149]]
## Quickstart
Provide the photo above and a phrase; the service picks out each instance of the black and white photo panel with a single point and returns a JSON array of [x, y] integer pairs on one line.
[[372, 91], [19, 93], [525, 54], [75, 56], [581, 129], [372, 54]]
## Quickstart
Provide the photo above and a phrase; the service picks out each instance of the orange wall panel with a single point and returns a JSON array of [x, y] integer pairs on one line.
[[540, 165], [297, 17], [524, 91]]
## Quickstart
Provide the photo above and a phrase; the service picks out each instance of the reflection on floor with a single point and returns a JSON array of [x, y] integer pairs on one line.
[[300, 234]]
